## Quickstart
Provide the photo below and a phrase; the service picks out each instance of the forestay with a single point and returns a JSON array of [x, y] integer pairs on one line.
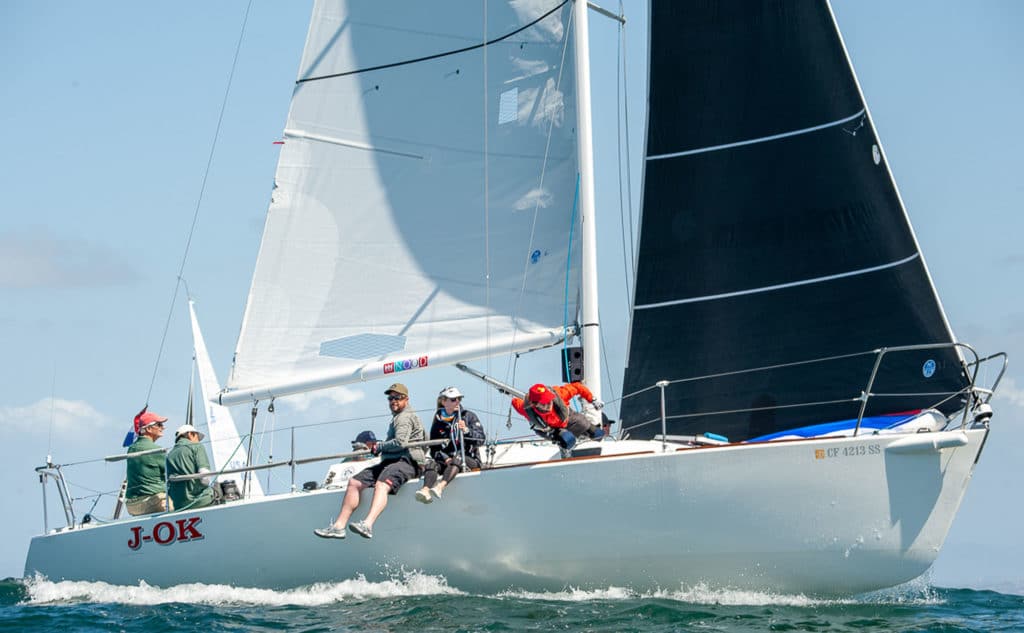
[[772, 233], [424, 197]]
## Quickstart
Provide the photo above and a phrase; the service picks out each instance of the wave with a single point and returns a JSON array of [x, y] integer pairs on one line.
[[914, 593], [41, 591]]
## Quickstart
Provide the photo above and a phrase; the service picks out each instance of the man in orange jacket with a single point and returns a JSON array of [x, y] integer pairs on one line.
[[547, 410]]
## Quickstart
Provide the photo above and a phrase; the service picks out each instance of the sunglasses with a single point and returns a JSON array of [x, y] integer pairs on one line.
[[396, 397]]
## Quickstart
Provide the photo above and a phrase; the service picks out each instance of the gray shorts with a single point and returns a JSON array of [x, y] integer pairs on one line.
[[393, 472]]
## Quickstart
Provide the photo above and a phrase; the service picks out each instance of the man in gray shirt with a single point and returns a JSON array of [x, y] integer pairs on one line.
[[398, 465]]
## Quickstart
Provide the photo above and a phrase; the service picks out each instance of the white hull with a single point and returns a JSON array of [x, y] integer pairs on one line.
[[820, 516]]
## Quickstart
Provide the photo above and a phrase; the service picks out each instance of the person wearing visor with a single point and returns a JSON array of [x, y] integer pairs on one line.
[[547, 410], [188, 457], [398, 465], [146, 491], [465, 435]]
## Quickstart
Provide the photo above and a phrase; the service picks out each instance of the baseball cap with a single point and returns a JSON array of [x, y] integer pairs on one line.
[[398, 388], [147, 419], [541, 394], [365, 438], [451, 392], [187, 428]]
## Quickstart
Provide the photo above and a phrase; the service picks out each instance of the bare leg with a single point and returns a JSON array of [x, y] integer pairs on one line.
[[349, 505], [380, 501]]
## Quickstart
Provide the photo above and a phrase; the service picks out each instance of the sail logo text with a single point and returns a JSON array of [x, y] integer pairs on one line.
[[167, 532], [402, 365]]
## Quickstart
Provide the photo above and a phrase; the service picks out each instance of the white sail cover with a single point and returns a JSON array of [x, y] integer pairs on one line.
[[228, 450], [424, 199]]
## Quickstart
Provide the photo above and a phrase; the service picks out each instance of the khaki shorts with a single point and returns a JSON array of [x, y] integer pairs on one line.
[[149, 505]]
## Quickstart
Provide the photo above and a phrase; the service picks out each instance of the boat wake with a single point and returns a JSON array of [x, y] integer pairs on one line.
[[40, 591], [916, 592]]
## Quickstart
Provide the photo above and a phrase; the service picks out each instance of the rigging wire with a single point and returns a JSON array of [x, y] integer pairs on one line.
[[487, 202], [271, 422], [619, 89], [199, 201], [607, 365], [568, 270], [629, 172], [540, 184], [53, 405]]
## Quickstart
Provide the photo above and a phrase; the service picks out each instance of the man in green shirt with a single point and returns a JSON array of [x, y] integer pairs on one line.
[[188, 457], [147, 482]]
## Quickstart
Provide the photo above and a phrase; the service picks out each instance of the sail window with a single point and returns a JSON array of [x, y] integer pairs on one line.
[[508, 106], [362, 346]]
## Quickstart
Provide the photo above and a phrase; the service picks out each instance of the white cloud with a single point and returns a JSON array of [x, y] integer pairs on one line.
[[69, 417], [532, 199], [1008, 391], [38, 259], [528, 10], [336, 396]]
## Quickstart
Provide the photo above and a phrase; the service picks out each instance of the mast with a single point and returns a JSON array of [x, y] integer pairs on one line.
[[590, 328]]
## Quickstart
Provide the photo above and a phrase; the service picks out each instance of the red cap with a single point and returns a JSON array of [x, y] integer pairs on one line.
[[146, 419], [541, 394]]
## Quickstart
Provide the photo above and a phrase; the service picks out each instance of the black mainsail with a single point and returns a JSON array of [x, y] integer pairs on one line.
[[772, 234]]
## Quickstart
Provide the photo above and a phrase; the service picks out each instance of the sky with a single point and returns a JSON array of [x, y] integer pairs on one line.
[[110, 111]]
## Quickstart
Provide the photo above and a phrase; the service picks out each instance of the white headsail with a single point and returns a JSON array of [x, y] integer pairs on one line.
[[395, 240], [228, 450]]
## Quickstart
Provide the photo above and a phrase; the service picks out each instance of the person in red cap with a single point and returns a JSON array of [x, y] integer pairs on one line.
[[547, 410], [147, 482]]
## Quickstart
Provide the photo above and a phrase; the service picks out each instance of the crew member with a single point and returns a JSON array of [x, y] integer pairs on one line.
[[547, 410]]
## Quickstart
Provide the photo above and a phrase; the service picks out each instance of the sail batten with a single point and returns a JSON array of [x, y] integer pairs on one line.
[[791, 284], [753, 141]]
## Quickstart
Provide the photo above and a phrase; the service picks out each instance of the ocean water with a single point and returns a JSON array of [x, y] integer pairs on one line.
[[419, 602]]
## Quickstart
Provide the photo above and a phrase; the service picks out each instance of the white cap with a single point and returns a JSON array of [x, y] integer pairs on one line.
[[450, 392], [187, 428]]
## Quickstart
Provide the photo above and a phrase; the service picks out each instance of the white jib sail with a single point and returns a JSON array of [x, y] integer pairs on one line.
[[424, 199], [228, 450]]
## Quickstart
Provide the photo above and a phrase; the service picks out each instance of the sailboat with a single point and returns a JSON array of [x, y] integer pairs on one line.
[[798, 416]]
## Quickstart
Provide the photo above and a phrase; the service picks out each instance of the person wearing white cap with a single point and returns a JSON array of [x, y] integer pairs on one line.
[[188, 457], [465, 435]]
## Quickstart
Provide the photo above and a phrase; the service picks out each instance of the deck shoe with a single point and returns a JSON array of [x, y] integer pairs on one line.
[[361, 529], [330, 532], [423, 495], [436, 492]]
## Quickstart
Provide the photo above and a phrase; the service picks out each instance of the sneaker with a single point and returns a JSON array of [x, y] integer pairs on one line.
[[436, 492], [361, 529], [423, 495], [330, 532]]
